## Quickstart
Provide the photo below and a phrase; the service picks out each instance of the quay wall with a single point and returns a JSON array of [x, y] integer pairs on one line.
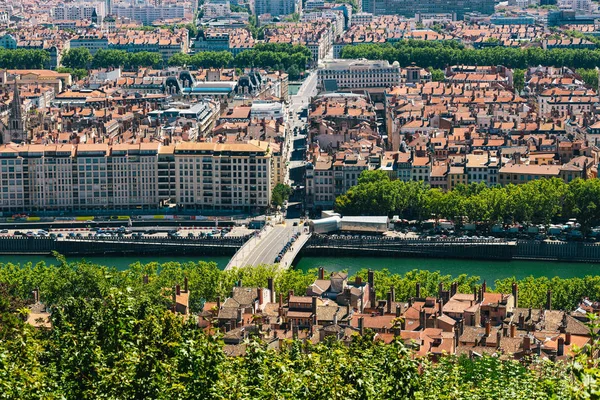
[[317, 245], [482, 249], [115, 246]]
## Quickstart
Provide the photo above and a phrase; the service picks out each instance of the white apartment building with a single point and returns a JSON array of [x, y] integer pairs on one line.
[[216, 9], [312, 4], [147, 14], [355, 74], [276, 7], [78, 11], [125, 176]]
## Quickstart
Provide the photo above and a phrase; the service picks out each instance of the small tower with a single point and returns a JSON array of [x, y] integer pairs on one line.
[[16, 122]]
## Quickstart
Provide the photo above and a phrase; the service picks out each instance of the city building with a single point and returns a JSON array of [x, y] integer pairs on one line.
[[356, 74], [147, 14], [276, 7], [89, 177], [409, 8], [79, 11]]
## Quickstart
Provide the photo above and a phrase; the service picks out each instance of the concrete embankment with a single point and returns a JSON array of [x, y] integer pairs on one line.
[[115, 246], [323, 245]]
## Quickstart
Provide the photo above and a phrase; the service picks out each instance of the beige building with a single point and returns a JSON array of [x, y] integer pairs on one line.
[[127, 176], [356, 74]]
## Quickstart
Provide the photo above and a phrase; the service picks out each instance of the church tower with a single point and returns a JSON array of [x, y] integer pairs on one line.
[[16, 122]]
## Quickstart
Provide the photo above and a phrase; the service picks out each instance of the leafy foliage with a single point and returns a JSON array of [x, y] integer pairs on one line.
[[280, 194], [113, 338], [441, 54], [23, 59], [121, 58], [78, 58], [538, 201], [278, 56]]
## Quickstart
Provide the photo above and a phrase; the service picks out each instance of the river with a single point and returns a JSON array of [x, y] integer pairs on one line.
[[489, 270]]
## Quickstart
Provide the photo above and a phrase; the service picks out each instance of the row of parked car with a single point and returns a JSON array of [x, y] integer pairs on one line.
[[287, 246]]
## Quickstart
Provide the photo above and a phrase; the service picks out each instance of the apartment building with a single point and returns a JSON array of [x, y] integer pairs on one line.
[[147, 14], [276, 7], [409, 8], [79, 11], [356, 74], [123, 176], [222, 176]]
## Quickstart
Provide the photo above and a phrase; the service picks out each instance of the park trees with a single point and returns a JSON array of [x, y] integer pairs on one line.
[[23, 59], [77, 58], [440, 54], [539, 201]]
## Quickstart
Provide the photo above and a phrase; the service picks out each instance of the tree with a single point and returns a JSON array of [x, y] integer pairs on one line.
[[589, 76], [280, 194], [437, 75], [78, 58], [23, 59], [77, 73], [110, 59], [519, 80]]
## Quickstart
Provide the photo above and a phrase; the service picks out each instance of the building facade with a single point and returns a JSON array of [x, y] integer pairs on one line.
[[355, 74], [89, 177]]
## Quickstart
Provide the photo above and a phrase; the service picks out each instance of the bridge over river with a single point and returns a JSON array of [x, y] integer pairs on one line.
[[267, 245]]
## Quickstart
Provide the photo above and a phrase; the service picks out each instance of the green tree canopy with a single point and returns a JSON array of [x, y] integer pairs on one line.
[[78, 58]]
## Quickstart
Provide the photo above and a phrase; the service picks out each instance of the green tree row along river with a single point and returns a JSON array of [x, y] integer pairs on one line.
[[489, 270]]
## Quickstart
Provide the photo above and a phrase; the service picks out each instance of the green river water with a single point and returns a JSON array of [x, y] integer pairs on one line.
[[489, 270]]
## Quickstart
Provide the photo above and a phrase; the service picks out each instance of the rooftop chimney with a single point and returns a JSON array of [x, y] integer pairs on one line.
[[260, 296], [561, 346], [513, 330], [418, 287], [290, 294], [280, 300], [526, 343], [521, 321], [361, 322], [370, 278], [178, 289], [393, 292], [218, 302], [549, 300], [440, 289], [271, 289], [483, 286], [498, 338], [515, 293], [567, 338], [314, 304], [398, 310], [185, 284], [488, 328], [422, 318], [321, 273], [372, 299], [389, 302]]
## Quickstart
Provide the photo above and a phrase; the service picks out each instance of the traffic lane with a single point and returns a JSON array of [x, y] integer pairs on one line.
[[261, 254]]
